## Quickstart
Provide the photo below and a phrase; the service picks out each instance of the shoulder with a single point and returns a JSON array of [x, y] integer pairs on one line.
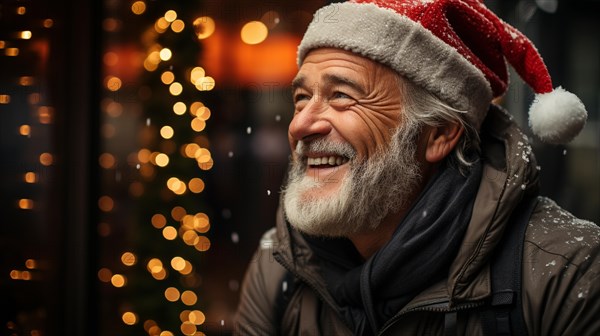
[[561, 273], [555, 231], [261, 285]]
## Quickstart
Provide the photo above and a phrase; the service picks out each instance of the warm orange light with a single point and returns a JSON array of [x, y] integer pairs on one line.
[[26, 80], [188, 328], [204, 27], [167, 77], [170, 15], [104, 274], [198, 125], [203, 113], [162, 160], [177, 26], [25, 204], [190, 150], [196, 185], [165, 54], [45, 114], [11, 52], [158, 221], [128, 259], [160, 275], [31, 177], [172, 294], [113, 83], [106, 204], [206, 165], [196, 317], [118, 280], [25, 35], [190, 237], [31, 264], [203, 155], [254, 32], [206, 83], [107, 160], [196, 74], [25, 130], [138, 7], [178, 212], [178, 263], [110, 58], [48, 23], [187, 269], [161, 25], [154, 265], [203, 244], [111, 24], [21, 10], [144, 155], [169, 233], [46, 159], [189, 298], [201, 222], [175, 89], [179, 108], [4, 99], [167, 132], [129, 318], [194, 108], [114, 109]]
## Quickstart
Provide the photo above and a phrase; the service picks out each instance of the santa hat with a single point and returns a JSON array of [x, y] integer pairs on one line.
[[455, 49]]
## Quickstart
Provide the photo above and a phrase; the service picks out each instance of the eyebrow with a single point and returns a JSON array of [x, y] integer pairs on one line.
[[339, 80], [331, 79], [298, 82]]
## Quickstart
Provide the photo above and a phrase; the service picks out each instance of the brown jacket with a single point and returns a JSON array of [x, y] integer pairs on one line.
[[561, 263]]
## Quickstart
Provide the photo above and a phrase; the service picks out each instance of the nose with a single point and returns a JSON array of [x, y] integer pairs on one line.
[[310, 122]]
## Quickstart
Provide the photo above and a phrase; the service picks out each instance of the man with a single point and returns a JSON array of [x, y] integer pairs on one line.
[[404, 179]]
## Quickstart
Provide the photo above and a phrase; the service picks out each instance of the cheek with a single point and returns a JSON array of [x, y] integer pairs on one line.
[[367, 130]]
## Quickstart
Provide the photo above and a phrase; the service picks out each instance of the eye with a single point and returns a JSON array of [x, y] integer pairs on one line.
[[340, 95], [300, 96], [300, 101]]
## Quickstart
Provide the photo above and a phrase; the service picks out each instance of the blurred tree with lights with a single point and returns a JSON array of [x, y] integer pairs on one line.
[[154, 159]]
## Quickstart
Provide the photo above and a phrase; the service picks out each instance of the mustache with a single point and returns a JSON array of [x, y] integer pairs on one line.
[[343, 149]]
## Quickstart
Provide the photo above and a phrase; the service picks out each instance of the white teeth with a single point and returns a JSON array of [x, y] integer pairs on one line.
[[327, 160]]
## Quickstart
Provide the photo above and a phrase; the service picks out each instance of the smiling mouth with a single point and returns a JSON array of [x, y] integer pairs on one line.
[[326, 161]]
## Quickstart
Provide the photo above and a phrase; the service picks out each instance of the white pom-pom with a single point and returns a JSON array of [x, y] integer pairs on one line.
[[557, 117]]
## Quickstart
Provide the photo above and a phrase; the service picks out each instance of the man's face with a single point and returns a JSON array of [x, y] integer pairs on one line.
[[343, 98], [353, 159]]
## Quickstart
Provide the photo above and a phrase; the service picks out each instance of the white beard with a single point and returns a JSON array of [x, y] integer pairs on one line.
[[371, 190]]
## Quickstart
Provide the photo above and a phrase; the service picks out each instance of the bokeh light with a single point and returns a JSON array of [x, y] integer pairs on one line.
[[204, 27], [254, 32]]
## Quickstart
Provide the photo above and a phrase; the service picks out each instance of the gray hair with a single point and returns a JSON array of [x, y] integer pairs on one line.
[[424, 108]]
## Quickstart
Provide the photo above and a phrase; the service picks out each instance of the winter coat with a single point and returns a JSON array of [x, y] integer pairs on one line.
[[561, 263]]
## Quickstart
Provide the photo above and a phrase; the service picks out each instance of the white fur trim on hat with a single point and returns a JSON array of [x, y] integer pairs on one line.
[[404, 45], [557, 117]]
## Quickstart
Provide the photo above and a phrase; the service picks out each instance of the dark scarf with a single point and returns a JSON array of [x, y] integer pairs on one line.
[[418, 255]]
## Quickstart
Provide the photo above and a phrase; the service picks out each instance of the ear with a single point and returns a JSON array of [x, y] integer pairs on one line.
[[441, 141]]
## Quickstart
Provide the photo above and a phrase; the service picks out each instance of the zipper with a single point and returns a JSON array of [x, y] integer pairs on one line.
[[434, 306]]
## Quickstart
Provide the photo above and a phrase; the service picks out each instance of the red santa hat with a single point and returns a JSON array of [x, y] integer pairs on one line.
[[455, 49]]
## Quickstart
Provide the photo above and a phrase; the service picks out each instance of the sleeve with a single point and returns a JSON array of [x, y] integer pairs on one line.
[[256, 311], [562, 286]]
